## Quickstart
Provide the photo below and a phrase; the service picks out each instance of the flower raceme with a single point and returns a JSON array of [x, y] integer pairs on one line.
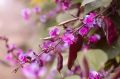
[[76, 39]]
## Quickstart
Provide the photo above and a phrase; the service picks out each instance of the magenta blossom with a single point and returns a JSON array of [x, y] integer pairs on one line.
[[33, 71], [89, 19], [10, 58], [84, 30], [94, 75], [26, 13], [46, 57], [68, 38], [54, 31], [43, 18], [64, 4], [25, 57], [94, 38], [36, 9]]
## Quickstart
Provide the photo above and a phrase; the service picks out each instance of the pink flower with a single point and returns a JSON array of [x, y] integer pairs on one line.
[[43, 18], [46, 57], [26, 12], [68, 38], [33, 71], [54, 31], [94, 38], [46, 44], [36, 9], [89, 19], [64, 4], [10, 58], [25, 57], [84, 30], [94, 75]]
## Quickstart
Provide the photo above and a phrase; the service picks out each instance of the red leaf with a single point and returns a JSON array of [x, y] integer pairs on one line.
[[60, 62], [110, 30], [74, 48]]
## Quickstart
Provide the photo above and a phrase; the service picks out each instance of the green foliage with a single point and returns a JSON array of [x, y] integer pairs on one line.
[[65, 16], [96, 58], [114, 50], [77, 1], [90, 5], [84, 2]]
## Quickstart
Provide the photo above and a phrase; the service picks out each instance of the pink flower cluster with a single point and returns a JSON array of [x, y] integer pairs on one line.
[[65, 4], [75, 38]]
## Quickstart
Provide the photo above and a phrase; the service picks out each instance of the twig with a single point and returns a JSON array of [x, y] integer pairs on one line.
[[68, 21]]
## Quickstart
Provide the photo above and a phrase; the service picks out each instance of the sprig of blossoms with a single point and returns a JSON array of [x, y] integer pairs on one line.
[[55, 44], [74, 38]]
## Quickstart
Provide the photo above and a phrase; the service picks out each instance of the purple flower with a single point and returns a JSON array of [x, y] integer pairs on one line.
[[11, 47], [99, 21], [36, 9], [54, 31], [64, 4], [43, 18], [46, 57], [22, 57], [89, 19], [68, 38], [26, 13], [46, 44], [30, 53], [84, 30], [51, 13], [94, 75], [25, 57], [33, 71], [94, 38], [10, 58]]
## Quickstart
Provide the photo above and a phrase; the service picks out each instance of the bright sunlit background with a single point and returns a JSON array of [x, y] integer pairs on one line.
[[17, 30]]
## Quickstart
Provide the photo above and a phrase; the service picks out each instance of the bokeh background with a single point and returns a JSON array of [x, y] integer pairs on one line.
[[25, 34]]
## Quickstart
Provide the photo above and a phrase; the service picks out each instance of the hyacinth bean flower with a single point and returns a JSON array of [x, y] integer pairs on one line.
[[89, 19], [54, 31], [64, 4], [68, 38], [94, 75], [26, 13], [94, 38]]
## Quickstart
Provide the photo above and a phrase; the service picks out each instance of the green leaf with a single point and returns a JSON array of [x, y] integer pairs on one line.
[[114, 50], [73, 77], [96, 4], [77, 1], [96, 58], [65, 16], [84, 2]]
